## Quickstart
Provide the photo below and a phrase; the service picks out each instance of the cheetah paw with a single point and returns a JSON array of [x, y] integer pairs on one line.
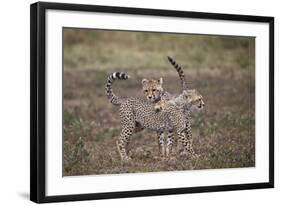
[[195, 156], [126, 159], [189, 155]]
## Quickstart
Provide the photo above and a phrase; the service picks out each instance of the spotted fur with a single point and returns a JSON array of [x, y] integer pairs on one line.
[[183, 102], [137, 113], [195, 101], [166, 96]]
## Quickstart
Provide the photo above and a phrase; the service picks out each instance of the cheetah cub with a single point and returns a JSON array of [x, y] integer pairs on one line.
[[152, 89], [190, 99], [195, 100], [136, 113], [154, 92], [184, 101]]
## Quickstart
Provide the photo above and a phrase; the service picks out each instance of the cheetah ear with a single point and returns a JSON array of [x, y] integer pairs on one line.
[[144, 81], [160, 81]]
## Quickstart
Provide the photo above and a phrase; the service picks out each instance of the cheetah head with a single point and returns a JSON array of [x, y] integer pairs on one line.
[[152, 89], [194, 99]]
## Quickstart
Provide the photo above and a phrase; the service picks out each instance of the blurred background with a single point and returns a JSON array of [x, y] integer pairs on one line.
[[221, 68]]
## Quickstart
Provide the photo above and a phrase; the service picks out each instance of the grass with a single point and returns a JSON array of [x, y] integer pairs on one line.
[[104, 50], [221, 68]]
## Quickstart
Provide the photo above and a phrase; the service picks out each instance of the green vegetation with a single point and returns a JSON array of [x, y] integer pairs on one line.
[[103, 50]]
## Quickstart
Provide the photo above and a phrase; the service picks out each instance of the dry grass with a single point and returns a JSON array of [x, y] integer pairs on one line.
[[222, 69]]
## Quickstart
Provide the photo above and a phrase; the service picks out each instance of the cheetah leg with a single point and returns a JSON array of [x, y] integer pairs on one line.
[[128, 127], [186, 126], [161, 146], [170, 143], [123, 141], [186, 141], [179, 145]]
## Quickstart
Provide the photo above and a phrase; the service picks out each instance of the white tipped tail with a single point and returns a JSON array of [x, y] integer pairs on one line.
[[108, 88]]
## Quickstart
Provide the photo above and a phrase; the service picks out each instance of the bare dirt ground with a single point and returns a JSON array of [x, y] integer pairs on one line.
[[223, 134]]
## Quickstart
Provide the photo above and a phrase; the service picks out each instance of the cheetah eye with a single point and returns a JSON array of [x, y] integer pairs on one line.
[[153, 90], [146, 91]]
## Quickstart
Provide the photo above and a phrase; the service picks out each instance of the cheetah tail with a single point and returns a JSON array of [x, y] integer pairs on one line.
[[180, 72], [108, 88]]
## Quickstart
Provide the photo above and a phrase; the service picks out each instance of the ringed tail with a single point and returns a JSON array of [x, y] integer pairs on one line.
[[180, 72], [108, 88]]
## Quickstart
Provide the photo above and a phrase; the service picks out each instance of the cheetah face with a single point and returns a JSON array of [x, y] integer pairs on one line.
[[199, 104], [152, 89], [195, 99]]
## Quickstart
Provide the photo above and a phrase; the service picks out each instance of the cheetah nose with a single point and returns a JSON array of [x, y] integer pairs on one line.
[[149, 97]]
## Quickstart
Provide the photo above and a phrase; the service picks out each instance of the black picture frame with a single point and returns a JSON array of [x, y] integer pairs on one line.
[[38, 101]]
